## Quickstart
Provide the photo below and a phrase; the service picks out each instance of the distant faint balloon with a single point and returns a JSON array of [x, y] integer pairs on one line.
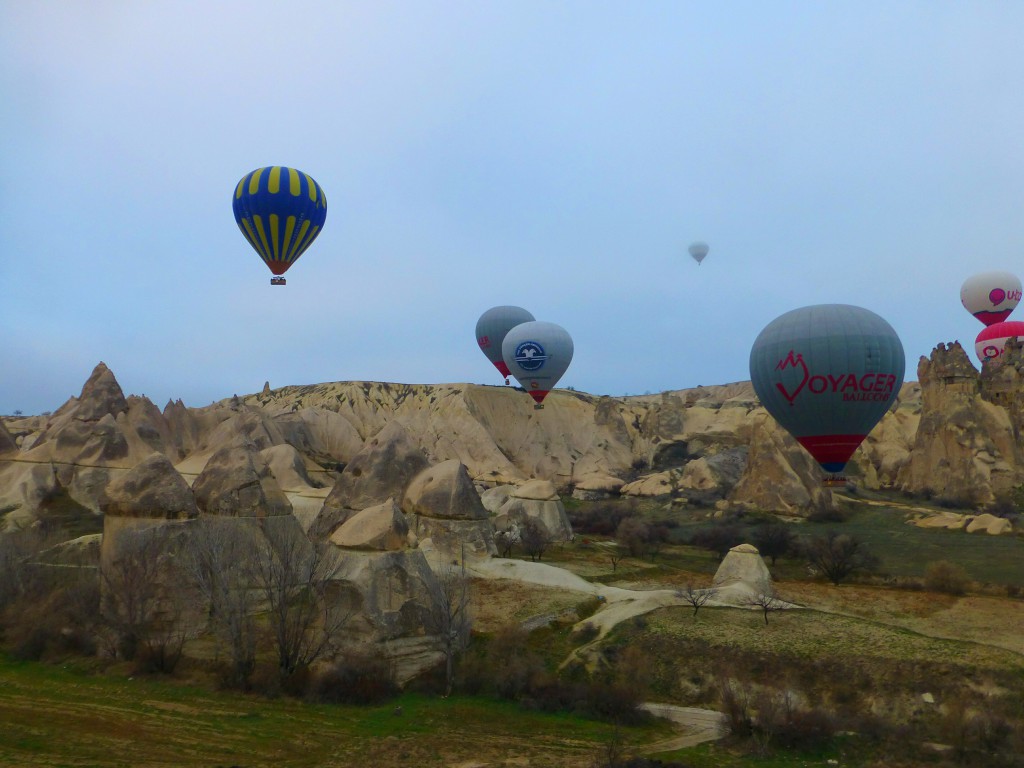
[[828, 373], [992, 340], [537, 354], [991, 296], [280, 211], [699, 251], [491, 329]]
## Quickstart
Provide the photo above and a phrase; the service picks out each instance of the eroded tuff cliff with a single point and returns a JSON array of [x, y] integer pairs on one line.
[[954, 432]]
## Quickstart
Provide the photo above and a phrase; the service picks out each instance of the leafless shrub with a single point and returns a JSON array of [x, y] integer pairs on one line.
[[944, 576], [293, 577], [767, 604], [218, 562], [696, 597], [450, 617]]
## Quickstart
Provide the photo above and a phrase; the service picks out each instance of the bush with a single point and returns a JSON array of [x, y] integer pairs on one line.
[[354, 679], [806, 730], [946, 577], [828, 515]]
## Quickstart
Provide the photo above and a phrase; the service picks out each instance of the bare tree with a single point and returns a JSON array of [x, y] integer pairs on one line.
[[451, 617], [218, 561], [774, 540], [506, 539], [633, 534], [140, 602], [767, 604], [293, 576], [696, 597], [535, 539], [839, 555], [615, 553]]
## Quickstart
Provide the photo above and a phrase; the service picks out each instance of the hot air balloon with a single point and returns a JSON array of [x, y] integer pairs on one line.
[[991, 296], [992, 340], [491, 329], [828, 373], [280, 211], [699, 251], [537, 354]]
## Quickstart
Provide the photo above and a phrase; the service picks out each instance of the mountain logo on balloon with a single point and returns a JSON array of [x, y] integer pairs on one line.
[[792, 361], [530, 356]]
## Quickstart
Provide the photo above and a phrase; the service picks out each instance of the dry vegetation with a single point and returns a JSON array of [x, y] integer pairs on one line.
[[897, 667]]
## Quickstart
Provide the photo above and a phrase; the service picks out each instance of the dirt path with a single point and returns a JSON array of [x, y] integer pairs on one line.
[[697, 726]]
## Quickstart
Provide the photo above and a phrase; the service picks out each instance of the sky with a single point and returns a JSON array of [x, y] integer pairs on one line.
[[558, 156]]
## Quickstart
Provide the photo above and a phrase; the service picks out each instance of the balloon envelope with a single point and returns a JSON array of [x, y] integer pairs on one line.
[[991, 296], [828, 373], [698, 251], [537, 354], [992, 340], [280, 211], [491, 329]]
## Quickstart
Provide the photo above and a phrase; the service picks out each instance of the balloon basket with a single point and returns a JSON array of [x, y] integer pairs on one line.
[[277, 280], [506, 382], [837, 481], [538, 407]]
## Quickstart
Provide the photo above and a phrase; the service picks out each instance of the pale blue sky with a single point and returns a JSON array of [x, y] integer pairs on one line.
[[555, 155]]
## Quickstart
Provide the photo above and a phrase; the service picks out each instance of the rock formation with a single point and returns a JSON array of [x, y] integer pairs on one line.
[[380, 471], [537, 500], [966, 447], [742, 576], [780, 476], [231, 485], [445, 508]]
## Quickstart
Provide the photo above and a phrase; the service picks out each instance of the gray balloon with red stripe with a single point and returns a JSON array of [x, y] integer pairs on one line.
[[491, 329], [827, 374]]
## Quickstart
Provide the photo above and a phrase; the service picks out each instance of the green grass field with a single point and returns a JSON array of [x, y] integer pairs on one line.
[[60, 715]]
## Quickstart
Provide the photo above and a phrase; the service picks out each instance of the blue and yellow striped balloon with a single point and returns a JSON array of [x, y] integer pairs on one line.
[[280, 211]]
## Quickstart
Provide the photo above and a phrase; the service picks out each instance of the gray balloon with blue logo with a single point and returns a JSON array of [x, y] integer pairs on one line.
[[828, 373], [537, 354]]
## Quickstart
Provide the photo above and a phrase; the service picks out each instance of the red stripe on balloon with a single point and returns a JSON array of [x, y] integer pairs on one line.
[[539, 394], [502, 368], [831, 449]]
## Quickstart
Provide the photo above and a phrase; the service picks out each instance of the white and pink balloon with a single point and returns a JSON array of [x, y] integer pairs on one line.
[[991, 297]]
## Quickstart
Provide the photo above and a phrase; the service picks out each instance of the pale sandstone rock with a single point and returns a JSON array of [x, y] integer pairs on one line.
[[379, 528], [444, 491], [741, 576], [494, 498], [540, 490], [151, 489], [230, 484], [990, 524], [780, 475]]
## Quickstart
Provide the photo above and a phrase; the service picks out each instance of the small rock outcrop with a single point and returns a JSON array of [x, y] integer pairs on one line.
[[444, 507], [101, 396], [742, 576], [380, 471], [536, 500], [780, 476], [375, 529], [152, 489], [7, 442], [230, 485]]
